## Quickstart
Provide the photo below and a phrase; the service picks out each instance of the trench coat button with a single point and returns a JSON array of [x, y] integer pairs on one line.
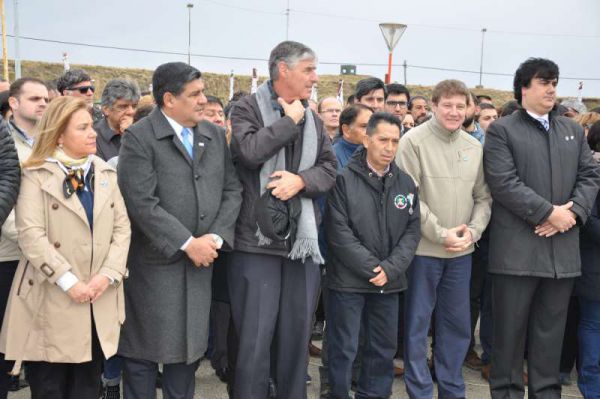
[[55, 206], [196, 177], [202, 216], [57, 244], [112, 204], [30, 282]]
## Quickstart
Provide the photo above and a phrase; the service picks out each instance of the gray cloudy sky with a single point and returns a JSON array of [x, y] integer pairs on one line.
[[441, 34]]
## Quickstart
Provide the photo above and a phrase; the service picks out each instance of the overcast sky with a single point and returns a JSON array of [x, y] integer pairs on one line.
[[440, 34]]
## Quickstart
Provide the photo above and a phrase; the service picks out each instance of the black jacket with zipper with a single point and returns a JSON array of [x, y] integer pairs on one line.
[[371, 221]]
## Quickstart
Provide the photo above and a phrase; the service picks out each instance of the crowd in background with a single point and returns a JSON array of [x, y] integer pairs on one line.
[[154, 230]]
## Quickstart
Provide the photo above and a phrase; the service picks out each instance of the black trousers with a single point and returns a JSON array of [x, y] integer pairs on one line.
[[67, 380], [7, 273], [272, 302], [537, 308], [570, 346], [139, 379]]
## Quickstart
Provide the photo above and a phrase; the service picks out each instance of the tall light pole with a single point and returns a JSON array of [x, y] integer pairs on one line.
[[391, 34], [190, 6], [287, 20], [17, 52], [481, 60], [4, 49]]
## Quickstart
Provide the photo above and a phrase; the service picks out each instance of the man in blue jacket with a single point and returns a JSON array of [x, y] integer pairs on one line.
[[373, 229]]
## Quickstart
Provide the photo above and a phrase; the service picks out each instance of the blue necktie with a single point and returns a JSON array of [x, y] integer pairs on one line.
[[544, 123], [186, 141]]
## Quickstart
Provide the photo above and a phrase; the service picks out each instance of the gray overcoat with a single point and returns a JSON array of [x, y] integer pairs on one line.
[[169, 198]]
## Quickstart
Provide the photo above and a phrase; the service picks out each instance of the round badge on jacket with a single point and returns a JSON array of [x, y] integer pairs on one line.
[[400, 201]]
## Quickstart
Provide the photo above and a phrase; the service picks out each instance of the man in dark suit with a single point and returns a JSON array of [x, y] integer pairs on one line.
[[183, 198], [279, 145]]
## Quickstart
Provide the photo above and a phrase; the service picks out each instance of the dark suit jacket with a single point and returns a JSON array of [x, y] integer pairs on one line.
[[169, 198]]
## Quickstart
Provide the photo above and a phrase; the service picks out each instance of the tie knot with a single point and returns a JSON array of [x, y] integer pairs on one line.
[[185, 132], [544, 123]]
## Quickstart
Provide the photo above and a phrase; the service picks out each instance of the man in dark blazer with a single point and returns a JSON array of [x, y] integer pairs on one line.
[[273, 289], [183, 198], [543, 181]]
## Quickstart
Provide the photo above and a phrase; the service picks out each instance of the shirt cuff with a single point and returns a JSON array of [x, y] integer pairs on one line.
[[218, 240], [67, 281], [185, 244]]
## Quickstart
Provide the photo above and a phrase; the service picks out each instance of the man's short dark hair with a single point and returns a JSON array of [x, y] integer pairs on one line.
[[214, 100], [509, 107], [415, 98], [4, 106], [70, 78], [397, 88], [238, 95], [483, 106], [530, 69], [365, 86], [379, 117], [593, 137], [290, 53], [350, 113], [172, 78], [17, 86], [474, 98], [351, 99], [483, 97]]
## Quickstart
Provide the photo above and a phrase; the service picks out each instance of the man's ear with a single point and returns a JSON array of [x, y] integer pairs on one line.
[[13, 102]]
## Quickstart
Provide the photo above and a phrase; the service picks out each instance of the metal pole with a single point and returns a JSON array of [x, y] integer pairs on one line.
[[388, 77], [287, 20], [4, 49], [190, 6], [17, 52], [404, 65], [481, 61]]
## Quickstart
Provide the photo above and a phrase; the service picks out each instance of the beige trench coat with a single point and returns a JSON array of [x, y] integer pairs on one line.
[[42, 323]]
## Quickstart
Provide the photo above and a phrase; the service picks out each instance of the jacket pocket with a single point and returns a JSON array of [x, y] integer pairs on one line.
[[26, 281]]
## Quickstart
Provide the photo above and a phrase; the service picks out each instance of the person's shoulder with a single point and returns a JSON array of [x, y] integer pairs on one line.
[[417, 134], [469, 139]]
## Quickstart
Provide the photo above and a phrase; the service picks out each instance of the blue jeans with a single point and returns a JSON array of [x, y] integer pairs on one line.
[[589, 348], [440, 284], [380, 322]]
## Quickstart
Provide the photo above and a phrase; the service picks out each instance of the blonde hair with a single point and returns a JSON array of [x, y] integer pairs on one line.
[[588, 118], [52, 124]]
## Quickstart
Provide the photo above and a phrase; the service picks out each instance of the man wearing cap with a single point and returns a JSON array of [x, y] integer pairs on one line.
[[183, 196], [280, 146]]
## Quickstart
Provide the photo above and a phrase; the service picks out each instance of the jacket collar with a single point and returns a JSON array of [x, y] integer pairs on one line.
[[358, 164], [162, 130], [441, 132], [105, 131], [103, 188]]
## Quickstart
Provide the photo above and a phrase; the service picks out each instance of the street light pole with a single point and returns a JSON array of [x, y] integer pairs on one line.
[[391, 34], [481, 60], [17, 50], [190, 6]]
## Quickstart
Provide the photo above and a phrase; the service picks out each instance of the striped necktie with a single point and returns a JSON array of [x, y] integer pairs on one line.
[[544, 123]]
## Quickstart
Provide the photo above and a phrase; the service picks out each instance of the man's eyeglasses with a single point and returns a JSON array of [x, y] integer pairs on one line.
[[394, 104], [83, 89]]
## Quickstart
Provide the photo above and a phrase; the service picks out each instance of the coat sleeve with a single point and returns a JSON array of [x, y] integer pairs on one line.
[[342, 243], [10, 173], [504, 183], [252, 144], [399, 260], [138, 181], [408, 160], [586, 185], [31, 226], [320, 178], [231, 202], [482, 207], [115, 263]]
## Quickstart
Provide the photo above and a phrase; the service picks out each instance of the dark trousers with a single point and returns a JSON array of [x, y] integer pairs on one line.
[[401, 323], [7, 273], [589, 348], [272, 302], [67, 380], [442, 284], [568, 356], [220, 314], [379, 321], [139, 379], [535, 308]]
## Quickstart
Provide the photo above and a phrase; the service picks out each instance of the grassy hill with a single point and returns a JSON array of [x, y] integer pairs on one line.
[[218, 84]]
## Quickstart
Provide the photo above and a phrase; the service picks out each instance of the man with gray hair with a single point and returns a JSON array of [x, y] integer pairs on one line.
[[119, 101], [77, 83], [284, 161]]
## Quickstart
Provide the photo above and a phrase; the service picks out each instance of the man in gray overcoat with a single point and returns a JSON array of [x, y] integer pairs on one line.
[[183, 198]]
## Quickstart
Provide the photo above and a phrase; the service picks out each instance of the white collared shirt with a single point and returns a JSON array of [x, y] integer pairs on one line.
[[178, 128], [536, 116]]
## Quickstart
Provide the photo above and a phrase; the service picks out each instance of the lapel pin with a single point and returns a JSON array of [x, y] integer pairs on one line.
[[104, 183], [201, 144], [572, 137]]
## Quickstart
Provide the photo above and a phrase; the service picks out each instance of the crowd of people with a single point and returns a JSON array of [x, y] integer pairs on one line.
[[158, 229]]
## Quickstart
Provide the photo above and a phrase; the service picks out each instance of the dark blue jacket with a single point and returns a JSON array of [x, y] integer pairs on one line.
[[588, 285]]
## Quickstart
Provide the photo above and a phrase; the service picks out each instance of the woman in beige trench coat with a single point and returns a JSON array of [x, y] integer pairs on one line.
[[66, 307]]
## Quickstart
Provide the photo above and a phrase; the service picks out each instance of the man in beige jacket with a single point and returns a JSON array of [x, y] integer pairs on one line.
[[446, 164]]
